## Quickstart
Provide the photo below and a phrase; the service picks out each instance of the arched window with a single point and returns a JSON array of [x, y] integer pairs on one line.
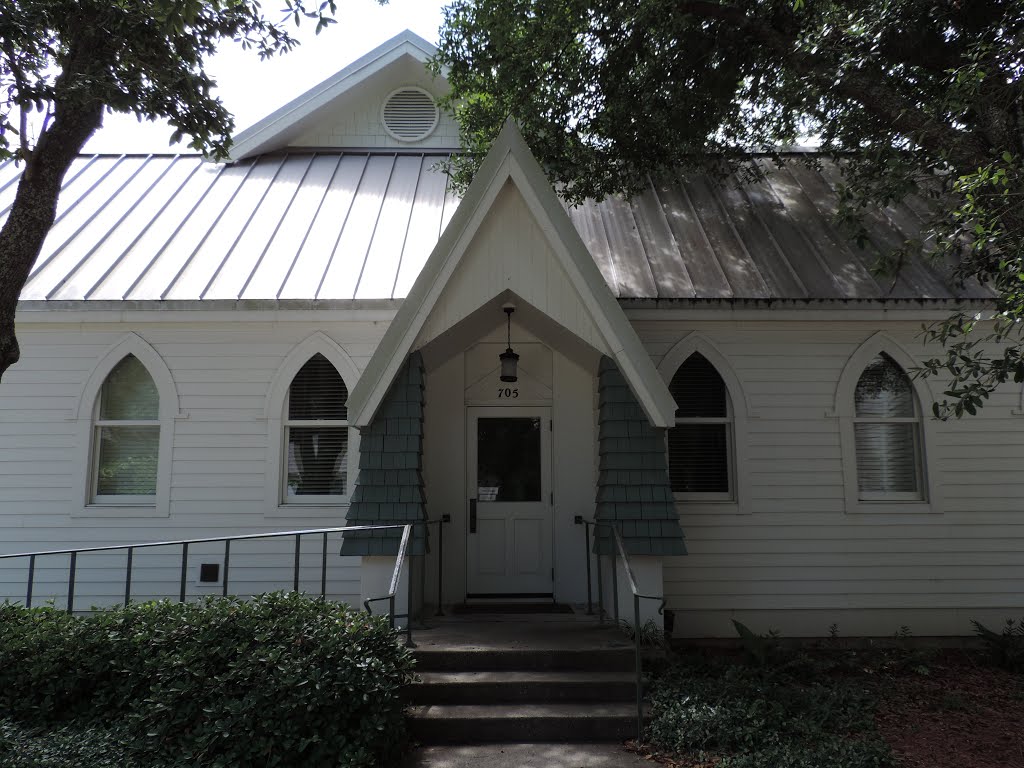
[[126, 436], [887, 433], [700, 446], [316, 434]]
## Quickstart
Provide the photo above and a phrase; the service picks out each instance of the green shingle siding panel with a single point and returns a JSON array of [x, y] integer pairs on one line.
[[633, 490], [389, 487]]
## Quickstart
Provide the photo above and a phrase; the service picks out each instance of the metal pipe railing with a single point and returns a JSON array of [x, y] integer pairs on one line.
[[619, 550], [227, 540]]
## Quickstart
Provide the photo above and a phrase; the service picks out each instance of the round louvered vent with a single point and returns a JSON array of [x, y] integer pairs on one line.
[[409, 114]]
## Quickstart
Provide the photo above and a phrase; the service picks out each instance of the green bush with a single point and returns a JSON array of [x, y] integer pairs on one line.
[[737, 715], [281, 680], [68, 746]]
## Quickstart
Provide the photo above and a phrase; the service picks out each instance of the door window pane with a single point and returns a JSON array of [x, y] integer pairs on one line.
[[508, 459]]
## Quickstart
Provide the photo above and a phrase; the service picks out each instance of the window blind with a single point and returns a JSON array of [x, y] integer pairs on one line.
[[127, 453], [316, 432], [129, 394], [698, 458], [318, 393], [886, 430], [698, 446], [698, 389]]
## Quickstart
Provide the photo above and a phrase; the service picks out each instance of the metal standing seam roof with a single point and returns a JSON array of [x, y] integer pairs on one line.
[[361, 225]]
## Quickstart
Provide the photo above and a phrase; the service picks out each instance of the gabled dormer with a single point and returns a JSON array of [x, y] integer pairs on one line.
[[385, 99]]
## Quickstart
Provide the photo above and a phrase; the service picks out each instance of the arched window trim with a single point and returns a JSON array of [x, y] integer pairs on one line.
[[274, 411], [84, 416], [844, 410], [740, 412]]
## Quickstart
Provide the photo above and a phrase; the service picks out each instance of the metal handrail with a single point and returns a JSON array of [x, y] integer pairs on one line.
[[627, 568], [396, 577], [227, 540]]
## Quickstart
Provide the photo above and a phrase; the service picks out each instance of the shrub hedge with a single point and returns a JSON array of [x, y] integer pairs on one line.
[[281, 680]]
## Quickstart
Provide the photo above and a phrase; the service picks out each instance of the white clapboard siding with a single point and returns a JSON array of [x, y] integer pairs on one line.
[[791, 557], [222, 373]]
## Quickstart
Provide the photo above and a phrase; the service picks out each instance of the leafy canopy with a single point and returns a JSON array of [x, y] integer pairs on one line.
[[914, 96], [143, 57]]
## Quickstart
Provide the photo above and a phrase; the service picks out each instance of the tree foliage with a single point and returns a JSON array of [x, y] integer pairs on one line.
[[912, 96], [70, 61]]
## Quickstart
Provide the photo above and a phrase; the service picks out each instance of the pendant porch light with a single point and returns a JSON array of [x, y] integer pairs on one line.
[[509, 359]]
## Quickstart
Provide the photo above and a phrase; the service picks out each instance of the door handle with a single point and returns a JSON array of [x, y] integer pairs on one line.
[[472, 515]]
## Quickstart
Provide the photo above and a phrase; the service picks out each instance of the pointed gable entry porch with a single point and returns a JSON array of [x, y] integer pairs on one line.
[[513, 464]]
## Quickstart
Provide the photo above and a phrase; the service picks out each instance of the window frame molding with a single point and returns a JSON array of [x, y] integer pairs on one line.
[[844, 410], [740, 412], [275, 507], [85, 416]]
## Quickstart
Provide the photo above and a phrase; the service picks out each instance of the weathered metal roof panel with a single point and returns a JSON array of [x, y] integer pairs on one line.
[[340, 226]]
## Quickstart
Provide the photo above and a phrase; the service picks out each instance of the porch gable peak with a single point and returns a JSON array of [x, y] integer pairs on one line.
[[510, 162]]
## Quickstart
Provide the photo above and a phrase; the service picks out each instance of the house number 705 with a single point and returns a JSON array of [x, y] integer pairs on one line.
[[508, 392]]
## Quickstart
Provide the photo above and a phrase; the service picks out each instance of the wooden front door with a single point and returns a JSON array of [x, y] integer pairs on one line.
[[509, 497]]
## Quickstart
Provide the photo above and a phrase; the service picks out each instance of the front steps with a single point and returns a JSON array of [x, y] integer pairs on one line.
[[523, 680]]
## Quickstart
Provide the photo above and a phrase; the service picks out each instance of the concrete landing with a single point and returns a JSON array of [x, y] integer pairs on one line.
[[525, 756], [499, 632]]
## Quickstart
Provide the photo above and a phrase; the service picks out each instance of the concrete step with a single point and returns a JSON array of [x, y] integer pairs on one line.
[[532, 659], [560, 722], [495, 687]]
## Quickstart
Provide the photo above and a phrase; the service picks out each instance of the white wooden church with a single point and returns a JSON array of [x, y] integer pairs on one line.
[[320, 333]]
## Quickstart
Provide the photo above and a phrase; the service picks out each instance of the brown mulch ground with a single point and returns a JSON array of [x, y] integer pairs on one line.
[[961, 715]]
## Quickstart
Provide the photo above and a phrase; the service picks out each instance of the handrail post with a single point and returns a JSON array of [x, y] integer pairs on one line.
[[408, 609], [639, 675], [184, 571], [227, 564], [440, 564], [128, 577], [615, 584], [600, 583], [295, 576], [31, 580], [586, 555], [323, 570], [71, 582]]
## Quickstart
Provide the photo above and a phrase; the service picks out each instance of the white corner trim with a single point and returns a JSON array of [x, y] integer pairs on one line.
[[169, 413], [741, 412], [273, 411], [510, 160], [843, 409]]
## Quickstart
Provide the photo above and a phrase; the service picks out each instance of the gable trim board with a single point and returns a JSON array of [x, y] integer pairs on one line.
[[510, 161]]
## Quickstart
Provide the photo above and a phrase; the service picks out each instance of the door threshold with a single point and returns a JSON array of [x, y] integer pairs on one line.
[[488, 598]]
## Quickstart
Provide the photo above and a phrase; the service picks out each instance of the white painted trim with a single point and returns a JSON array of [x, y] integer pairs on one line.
[[511, 160], [741, 411], [264, 134], [273, 412], [843, 409], [82, 506]]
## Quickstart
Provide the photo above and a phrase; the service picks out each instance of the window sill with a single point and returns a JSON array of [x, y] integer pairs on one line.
[[126, 511], [892, 507], [708, 507], [334, 512]]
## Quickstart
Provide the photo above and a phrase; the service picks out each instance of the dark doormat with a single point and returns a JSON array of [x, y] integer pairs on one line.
[[471, 608]]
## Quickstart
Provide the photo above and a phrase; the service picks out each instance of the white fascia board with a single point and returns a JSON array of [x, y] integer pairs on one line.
[[510, 159], [263, 135]]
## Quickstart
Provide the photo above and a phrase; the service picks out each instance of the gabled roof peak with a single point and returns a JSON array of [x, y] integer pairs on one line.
[[273, 131]]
